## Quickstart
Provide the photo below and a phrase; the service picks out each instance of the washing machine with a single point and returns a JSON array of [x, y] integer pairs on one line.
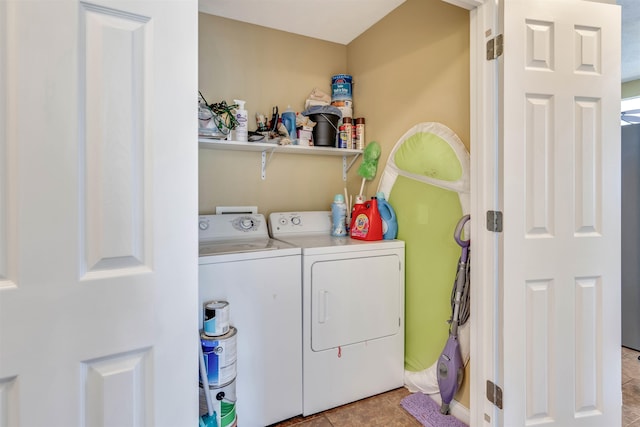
[[352, 311], [260, 279]]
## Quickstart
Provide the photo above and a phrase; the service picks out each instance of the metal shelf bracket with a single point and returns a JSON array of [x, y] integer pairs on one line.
[[345, 167], [265, 161]]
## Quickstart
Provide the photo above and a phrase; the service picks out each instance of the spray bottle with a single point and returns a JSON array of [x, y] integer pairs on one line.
[[242, 130], [389, 220]]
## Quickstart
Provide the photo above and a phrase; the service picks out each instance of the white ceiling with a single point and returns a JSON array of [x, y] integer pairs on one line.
[[338, 21], [630, 39], [341, 21]]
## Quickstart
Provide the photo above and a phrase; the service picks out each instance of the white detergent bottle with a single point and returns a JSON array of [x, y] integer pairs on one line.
[[242, 130]]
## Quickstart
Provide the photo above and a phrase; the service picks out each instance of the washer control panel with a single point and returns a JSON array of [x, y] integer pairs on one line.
[[232, 226], [308, 222]]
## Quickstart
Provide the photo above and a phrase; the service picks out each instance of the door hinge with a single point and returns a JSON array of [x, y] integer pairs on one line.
[[494, 394], [494, 221], [494, 47]]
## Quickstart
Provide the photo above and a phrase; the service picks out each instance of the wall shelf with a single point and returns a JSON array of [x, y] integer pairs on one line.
[[264, 148]]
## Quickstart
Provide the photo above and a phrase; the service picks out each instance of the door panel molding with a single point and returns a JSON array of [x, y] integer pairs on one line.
[[104, 379], [114, 75], [8, 247]]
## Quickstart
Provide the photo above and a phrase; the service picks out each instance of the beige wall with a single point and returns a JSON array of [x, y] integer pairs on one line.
[[266, 68], [411, 67]]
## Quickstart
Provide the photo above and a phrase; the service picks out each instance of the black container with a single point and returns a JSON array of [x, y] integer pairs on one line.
[[325, 130]]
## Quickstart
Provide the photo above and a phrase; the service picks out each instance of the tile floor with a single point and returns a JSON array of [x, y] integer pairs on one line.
[[630, 388], [385, 410]]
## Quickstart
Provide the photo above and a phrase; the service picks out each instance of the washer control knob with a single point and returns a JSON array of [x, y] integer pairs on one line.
[[283, 221], [246, 223], [203, 224], [296, 220]]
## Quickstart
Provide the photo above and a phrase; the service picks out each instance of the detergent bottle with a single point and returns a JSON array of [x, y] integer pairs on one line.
[[367, 224], [289, 121], [389, 220], [357, 207], [338, 216]]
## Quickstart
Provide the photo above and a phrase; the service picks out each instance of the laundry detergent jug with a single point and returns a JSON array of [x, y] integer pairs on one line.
[[389, 220], [367, 222], [357, 207]]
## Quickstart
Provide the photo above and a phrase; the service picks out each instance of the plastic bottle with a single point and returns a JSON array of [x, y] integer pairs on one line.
[[338, 216], [242, 130], [389, 220], [289, 121], [368, 223], [358, 206]]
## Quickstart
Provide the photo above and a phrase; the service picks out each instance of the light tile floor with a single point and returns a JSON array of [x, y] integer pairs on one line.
[[385, 410], [630, 388]]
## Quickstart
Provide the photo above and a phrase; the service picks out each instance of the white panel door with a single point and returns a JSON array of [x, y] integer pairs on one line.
[[98, 206], [560, 189]]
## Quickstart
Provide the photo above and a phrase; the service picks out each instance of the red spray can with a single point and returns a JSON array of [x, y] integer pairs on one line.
[[366, 222]]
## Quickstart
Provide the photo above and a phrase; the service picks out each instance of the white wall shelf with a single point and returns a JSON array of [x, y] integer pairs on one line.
[[264, 148]]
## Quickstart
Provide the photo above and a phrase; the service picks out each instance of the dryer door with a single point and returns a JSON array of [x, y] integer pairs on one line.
[[355, 300]]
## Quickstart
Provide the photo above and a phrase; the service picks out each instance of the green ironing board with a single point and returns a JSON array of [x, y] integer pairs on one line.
[[426, 180]]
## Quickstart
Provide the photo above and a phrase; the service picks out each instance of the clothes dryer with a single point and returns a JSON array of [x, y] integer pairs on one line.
[[352, 311], [260, 279]]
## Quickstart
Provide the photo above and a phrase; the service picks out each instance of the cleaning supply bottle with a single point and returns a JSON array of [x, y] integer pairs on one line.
[[368, 222], [242, 130], [389, 220], [289, 121], [358, 206], [338, 216]]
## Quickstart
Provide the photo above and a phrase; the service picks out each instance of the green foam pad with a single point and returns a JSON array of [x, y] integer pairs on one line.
[[427, 154], [427, 217], [426, 180]]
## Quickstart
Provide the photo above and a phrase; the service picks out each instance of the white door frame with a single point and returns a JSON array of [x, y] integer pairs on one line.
[[484, 166], [485, 196]]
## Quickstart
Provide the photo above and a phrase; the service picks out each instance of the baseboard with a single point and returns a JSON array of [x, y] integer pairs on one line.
[[456, 408]]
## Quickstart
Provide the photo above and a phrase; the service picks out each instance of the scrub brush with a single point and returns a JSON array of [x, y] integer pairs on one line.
[[369, 165]]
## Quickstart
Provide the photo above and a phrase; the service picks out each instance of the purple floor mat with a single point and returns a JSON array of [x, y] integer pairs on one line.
[[427, 411]]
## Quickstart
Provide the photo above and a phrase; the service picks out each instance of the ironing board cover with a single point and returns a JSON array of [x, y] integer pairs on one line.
[[426, 180]]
